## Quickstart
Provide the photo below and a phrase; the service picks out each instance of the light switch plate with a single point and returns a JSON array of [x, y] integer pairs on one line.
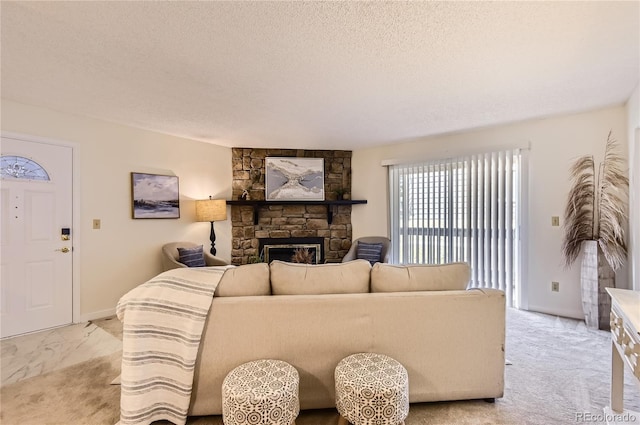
[[555, 220]]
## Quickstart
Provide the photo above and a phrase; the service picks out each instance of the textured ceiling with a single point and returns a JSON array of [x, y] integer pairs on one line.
[[332, 75]]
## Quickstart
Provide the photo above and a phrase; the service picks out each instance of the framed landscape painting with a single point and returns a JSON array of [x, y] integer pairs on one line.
[[155, 196], [294, 179]]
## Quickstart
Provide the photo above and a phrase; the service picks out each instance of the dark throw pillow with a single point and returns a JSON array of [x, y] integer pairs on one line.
[[192, 257], [369, 251]]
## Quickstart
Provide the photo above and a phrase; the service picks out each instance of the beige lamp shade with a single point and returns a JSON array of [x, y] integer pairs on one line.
[[211, 210]]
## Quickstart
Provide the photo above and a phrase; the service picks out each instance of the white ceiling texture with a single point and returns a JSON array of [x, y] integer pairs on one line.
[[318, 75]]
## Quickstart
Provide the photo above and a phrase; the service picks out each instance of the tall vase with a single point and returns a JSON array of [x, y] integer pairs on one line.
[[595, 275]]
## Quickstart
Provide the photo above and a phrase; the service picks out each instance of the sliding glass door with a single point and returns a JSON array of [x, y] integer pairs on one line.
[[461, 209]]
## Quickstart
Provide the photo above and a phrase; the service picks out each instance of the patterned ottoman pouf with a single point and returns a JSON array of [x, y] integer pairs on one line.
[[261, 392], [371, 389]]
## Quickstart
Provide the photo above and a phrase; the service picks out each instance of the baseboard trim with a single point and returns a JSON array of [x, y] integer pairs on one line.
[[97, 315], [557, 312]]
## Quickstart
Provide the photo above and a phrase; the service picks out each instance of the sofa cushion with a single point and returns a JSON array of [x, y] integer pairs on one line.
[[246, 280], [369, 251], [191, 257], [307, 279], [403, 278]]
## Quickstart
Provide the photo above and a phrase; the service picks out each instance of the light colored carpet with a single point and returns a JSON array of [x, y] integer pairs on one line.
[[560, 369]]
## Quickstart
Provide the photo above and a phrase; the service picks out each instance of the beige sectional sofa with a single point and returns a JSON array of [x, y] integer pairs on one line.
[[450, 340]]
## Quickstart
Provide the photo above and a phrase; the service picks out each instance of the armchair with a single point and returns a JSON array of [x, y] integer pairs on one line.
[[384, 254], [170, 256]]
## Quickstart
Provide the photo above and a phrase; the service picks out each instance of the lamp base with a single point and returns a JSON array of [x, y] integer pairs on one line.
[[212, 237]]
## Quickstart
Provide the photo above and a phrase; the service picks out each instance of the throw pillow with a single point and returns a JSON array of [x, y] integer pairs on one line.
[[369, 251], [192, 257]]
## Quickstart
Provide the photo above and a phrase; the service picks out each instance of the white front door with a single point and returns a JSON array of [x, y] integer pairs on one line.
[[36, 262]]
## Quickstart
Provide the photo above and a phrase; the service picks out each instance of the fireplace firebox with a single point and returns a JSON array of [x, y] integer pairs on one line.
[[284, 249]]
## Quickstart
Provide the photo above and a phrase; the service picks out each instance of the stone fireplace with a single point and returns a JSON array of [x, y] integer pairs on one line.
[[255, 225]]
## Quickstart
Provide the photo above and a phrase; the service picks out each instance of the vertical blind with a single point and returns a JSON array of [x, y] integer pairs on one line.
[[460, 209]]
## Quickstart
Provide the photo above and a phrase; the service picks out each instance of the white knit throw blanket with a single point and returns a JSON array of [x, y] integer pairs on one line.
[[162, 322]]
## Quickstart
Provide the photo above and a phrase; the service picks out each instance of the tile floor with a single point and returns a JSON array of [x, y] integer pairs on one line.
[[34, 354]]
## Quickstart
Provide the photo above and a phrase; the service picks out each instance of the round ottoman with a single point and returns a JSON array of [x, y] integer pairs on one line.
[[371, 389], [261, 392]]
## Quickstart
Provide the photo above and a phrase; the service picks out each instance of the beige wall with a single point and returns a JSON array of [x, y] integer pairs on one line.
[[633, 120], [126, 252], [554, 143]]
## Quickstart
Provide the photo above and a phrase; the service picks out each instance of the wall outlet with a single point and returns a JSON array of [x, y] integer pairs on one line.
[[96, 223], [555, 220], [555, 286]]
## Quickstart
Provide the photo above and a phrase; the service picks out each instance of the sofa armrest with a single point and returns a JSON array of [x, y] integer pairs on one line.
[[351, 254], [212, 260], [171, 263]]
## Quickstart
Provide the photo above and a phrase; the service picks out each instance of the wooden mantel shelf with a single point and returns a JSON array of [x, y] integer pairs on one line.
[[329, 204]]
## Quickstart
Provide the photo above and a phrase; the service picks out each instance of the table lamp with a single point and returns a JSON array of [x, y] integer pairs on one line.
[[211, 210]]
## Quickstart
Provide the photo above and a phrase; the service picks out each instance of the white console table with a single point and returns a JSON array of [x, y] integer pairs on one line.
[[625, 348]]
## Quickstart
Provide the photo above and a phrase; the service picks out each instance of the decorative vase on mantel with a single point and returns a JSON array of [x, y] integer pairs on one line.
[[595, 275]]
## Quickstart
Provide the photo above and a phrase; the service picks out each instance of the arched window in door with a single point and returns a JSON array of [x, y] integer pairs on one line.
[[19, 167]]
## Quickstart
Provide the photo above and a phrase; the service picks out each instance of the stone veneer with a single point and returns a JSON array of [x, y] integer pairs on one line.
[[288, 221]]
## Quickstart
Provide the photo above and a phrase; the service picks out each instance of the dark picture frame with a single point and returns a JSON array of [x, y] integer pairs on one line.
[[154, 196]]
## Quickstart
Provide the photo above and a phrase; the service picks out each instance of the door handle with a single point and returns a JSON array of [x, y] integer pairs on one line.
[[63, 250]]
